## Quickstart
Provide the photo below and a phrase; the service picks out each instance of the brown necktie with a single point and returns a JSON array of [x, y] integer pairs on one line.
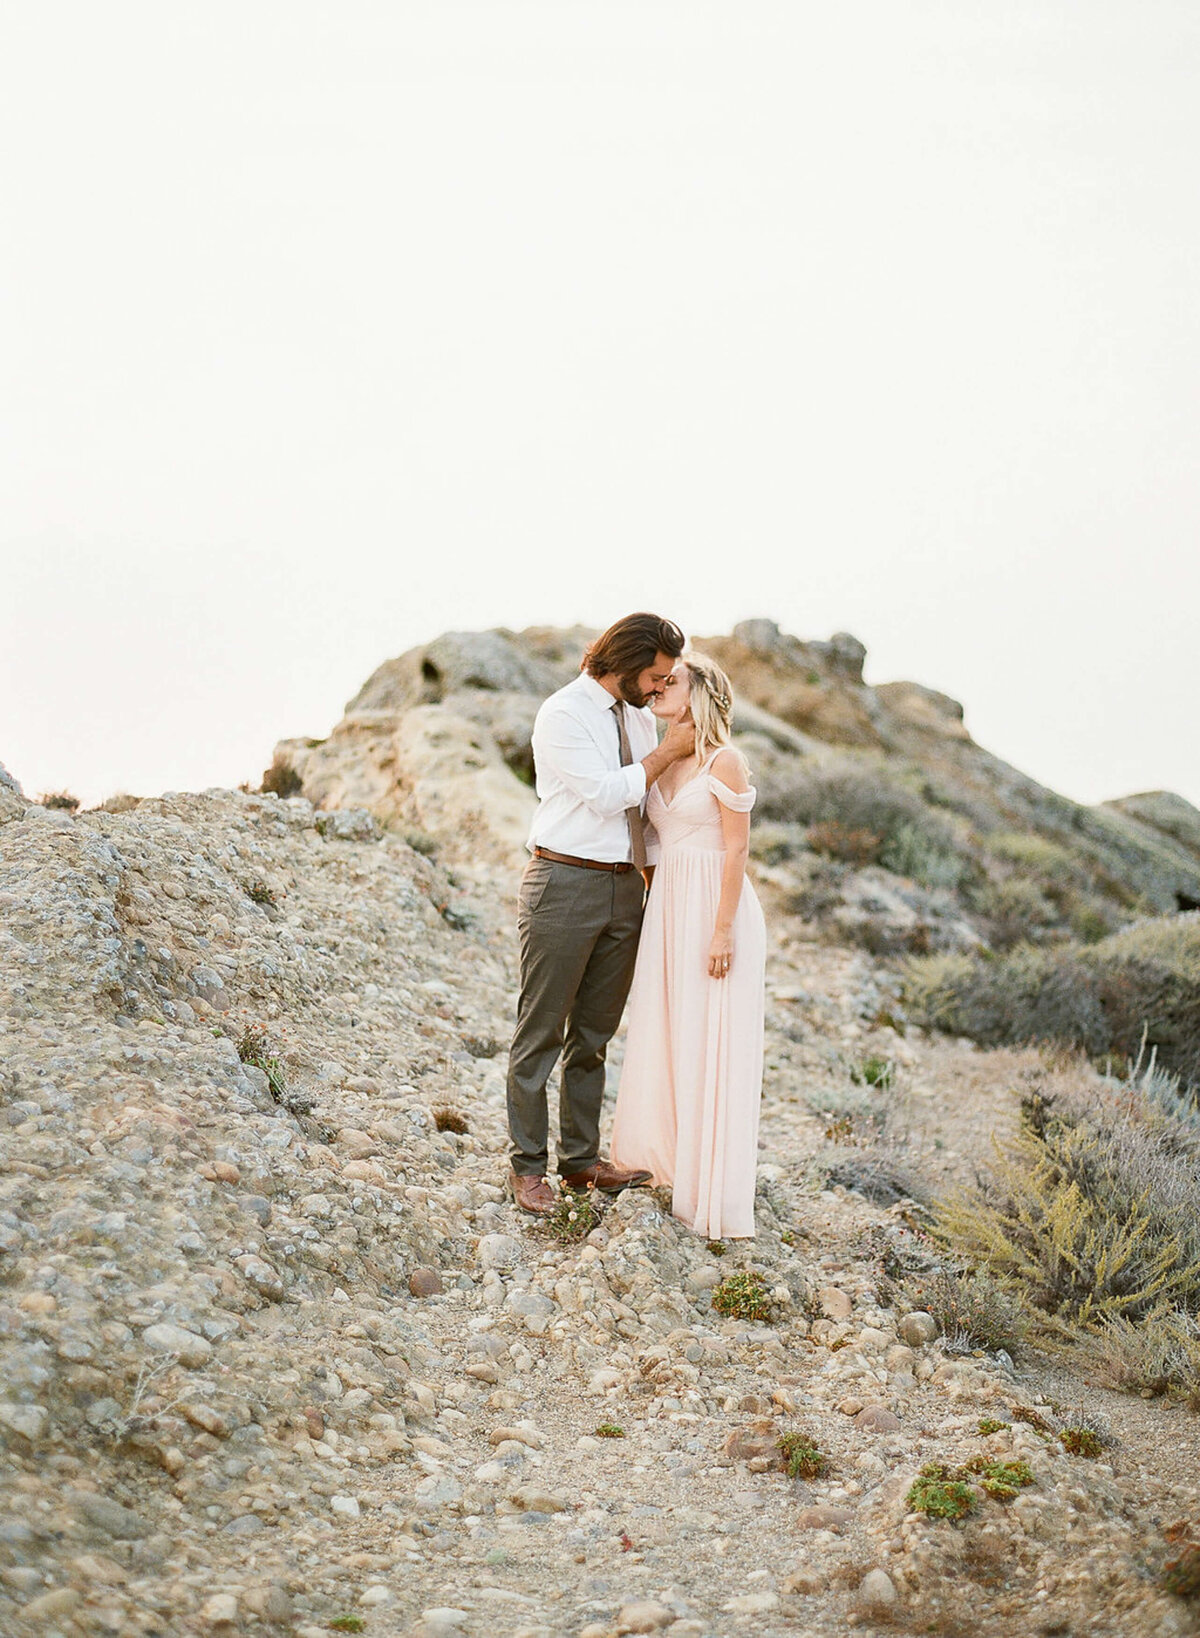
[[637, 833]]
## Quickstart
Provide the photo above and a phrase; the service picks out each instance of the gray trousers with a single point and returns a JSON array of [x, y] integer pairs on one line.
[[578, 932]]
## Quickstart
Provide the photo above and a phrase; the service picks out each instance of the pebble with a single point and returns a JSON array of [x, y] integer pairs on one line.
[[917, 1329], [221, 1610], [644, 1616], [835, 1304], [50, 1606], [27, 1420], [425, 1282], [877, 1419], [876, 1590], [192, 1350]]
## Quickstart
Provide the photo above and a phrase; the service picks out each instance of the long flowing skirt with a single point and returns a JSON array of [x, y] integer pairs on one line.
[[688, 1101]]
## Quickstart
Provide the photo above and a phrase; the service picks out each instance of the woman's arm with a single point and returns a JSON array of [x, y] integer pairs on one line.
[[735, 833]]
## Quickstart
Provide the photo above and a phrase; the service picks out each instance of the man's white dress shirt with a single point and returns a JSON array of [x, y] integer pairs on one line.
[[583, 789]]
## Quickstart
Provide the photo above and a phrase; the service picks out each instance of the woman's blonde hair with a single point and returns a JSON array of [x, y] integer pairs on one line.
[[710, 700]]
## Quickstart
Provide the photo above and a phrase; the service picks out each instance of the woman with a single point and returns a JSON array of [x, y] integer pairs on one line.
[[688, 1101]]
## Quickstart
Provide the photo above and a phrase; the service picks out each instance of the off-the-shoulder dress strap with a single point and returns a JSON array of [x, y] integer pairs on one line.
[[738, 801]]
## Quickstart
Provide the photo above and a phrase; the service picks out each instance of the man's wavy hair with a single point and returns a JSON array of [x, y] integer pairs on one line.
[[629, 646]]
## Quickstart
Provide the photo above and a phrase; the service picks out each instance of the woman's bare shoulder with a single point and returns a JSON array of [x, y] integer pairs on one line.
[[729, 766]]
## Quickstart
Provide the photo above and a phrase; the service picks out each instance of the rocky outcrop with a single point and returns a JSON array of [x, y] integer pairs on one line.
[[12, 799]]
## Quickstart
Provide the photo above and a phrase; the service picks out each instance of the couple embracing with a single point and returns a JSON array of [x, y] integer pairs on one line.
[[637, 888]]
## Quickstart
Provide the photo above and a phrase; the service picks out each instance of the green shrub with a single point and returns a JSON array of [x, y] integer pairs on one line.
[[913, 849], [743, 1296], [802, 1458], [938, 1495], [874, 1071], [1080, 1441], [609, 1430], [1034, 852], [574, 1217], [1104, 997]]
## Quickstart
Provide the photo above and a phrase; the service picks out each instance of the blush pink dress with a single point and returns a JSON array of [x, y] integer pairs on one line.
[[687, 1106]]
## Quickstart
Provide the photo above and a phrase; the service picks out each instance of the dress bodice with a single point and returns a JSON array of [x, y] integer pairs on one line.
[[692, 817]]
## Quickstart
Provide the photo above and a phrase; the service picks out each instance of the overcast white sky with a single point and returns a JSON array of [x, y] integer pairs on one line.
[[327, 327]]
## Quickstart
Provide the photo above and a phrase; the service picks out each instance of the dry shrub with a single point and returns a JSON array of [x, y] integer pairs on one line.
[[1159, 1354], [282, 779], [449, 1119], [120, 802], [62, 800], [913, 841], [838, 841], [1092, 1209], [972, 1310]]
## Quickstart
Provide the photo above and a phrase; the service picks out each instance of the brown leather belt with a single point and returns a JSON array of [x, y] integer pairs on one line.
[[584, 864]]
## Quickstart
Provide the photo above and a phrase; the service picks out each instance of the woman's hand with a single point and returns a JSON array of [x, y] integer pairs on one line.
[[720, 954]]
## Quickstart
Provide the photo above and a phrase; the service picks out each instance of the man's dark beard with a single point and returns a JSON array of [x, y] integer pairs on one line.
[[630, 692]]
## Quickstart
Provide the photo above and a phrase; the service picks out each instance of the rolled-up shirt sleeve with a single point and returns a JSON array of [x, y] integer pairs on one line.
[[564, 750]]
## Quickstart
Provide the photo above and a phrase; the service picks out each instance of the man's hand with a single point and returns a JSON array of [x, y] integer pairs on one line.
[[678, 741]]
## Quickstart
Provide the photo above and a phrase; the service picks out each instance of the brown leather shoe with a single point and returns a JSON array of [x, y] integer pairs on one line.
[[532, 1194], [606, 1177]]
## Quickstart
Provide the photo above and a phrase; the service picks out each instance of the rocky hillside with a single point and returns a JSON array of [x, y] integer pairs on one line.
[[276, 1354]]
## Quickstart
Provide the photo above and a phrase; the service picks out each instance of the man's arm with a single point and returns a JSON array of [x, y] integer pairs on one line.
[[563, 747]]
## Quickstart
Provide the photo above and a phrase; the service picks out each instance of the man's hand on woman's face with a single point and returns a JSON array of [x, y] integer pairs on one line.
[[679, 740]]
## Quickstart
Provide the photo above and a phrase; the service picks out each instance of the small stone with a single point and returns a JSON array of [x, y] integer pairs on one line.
[[207, 1419], [759, 1438], [191, 1349], [51, 1606], [531, 1498], [347, 1506], [443, 1622], [752, 1603], [835, 1304], [246, 1524], [917, 1329], [221, 1610], [850, 1406], [357, 1144], [378, 1594], [499, 1251], [523, 1435], [261, 1276], [27, 1420], [877, 1419], [823, 1516], [109, 1517], [425, 1282], [644, 1616], [876, 1590], [804, 1582]]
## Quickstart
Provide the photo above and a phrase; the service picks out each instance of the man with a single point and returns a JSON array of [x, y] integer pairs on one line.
[[579, 911]]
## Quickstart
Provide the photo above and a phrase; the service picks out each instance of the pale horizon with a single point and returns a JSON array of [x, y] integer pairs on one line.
[[328, 330]]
